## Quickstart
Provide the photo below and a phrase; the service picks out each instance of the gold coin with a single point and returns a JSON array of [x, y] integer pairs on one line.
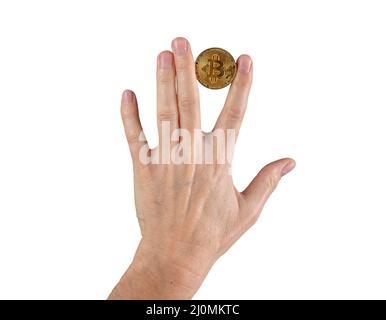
[[215, 68]]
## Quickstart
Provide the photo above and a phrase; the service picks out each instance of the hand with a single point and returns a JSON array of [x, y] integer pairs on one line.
[[189, 213]]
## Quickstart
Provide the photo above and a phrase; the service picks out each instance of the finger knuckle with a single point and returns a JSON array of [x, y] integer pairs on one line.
[[183, 64], [125, 114], [270, 181], [235, 113], [128, 113], [165, 78], [167, 115], [186, 103], [132, 138]]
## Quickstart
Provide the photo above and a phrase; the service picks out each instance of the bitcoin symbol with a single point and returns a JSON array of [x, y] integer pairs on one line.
[[214, 69]]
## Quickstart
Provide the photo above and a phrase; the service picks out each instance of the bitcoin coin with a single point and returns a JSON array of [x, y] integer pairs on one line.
[[215, 68]]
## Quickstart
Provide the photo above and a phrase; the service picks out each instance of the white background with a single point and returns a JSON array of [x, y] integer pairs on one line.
[[67, 218]]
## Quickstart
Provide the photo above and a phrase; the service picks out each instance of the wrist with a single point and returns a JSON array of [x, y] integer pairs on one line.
[[170, 272]]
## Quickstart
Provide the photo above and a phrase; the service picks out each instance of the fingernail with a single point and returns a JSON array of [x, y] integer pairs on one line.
[[180, 46], [288, 167], [128, 96], [165, 60], [244, 64]]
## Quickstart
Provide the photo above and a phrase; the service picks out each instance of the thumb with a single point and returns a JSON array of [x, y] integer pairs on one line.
[[265, 182]]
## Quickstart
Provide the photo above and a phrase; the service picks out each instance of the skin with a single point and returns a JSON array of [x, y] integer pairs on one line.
[[189, 214]]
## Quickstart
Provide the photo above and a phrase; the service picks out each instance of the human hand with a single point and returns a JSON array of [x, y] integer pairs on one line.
[[189, 213]]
